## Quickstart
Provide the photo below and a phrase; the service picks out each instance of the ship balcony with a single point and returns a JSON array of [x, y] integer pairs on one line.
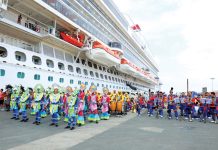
[[20, 25]]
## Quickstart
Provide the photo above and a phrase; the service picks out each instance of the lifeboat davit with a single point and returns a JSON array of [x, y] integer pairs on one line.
[[71, 39], [126, 67], [103, 55]]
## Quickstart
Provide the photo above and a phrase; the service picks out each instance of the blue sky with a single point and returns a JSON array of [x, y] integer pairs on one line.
[[182, 36]]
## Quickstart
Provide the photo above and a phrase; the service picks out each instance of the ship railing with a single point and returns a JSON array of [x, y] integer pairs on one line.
[[25, 20]]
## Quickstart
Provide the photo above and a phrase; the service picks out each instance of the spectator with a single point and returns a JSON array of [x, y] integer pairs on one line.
[[1, 99], [19, 19]]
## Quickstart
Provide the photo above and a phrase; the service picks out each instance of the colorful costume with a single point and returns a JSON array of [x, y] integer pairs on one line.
[[55, 100], [37, 104], [72, 104], [119, 101], [172, 106], [15, 98], [159, 105], [24, 100], [113, 102], [105, 100], [81, 105], [92, 101]]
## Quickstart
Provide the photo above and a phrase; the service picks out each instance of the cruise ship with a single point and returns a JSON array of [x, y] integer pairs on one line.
[[70, 42]]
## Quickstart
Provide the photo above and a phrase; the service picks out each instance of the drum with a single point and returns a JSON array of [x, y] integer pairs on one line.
[[113, 106], [119, 106]]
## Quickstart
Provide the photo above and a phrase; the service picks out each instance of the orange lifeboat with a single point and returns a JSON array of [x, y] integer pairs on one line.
[[72, 40], [103, 54]]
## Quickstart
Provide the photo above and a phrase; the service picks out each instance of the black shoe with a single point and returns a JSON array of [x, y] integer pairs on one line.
[[37, 123], [26, 120], [17, 119], [72, 128], [13, 118], [67, 127], [34, 122], [22, 120], [96, 122], [56, 125], [79, 125], [52, 124]]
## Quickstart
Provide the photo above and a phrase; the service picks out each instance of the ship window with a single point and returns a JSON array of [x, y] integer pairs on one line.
[[95, 66], [91, 74], [20, 56], [85, 72], [113, 78], [36, 60], [89, 64], [48, 51], [61, 80], [79, 82], [102, 85], [37, 77], [109, 77], [78, 70], [50, 78], [117, 87], [50, 63], [20, 75], [105, 76], [110, 86], [71, 81], [96, 74], [100, 68], [3, 52], [101, 75], [83, 61], [77, 61], [61, 66], [114, 87], [86, 83], [2, 72], [104, 69], [70, 68], [59, 54], [68, 58], [106, 86], [116, 79], [108, 71], [97, 84]]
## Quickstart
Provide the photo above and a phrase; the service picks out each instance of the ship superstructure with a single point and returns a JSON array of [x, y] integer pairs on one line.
[[69, 42]]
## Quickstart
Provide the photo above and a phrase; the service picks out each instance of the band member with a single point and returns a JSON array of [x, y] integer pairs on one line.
[[159, 104], [182, 107], [81, 105], [150, 104], [37, 103], [72, 104], [15, 99], [189, 107], [55, 100], [66, 98], [105, 100], [213, 107], [92, 101], [172, 105]]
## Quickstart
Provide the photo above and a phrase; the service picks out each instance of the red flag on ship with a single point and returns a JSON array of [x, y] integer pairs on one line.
[[136, 27]]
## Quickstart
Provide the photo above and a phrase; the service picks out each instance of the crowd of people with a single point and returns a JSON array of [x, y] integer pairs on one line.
[[80, 105]]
